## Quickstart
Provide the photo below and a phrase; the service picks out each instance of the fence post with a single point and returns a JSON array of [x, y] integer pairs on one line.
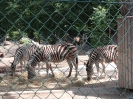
[[125, 42]]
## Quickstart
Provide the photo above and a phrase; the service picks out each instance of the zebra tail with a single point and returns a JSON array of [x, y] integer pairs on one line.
[[76, 60]]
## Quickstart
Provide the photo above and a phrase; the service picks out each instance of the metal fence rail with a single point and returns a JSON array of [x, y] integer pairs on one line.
[[88, 25]]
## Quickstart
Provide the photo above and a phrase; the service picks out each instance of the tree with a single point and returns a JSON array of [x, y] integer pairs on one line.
[[50, 20], [99, 25]]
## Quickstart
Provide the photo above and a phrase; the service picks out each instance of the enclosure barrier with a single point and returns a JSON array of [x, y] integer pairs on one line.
[[125, 35], [87, 24]]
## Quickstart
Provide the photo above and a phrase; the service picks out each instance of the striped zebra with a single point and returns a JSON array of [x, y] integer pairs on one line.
[[23, 54], [103, 54], [54, 53]]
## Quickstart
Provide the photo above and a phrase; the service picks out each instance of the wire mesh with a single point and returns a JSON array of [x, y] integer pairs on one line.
[[86, 24]]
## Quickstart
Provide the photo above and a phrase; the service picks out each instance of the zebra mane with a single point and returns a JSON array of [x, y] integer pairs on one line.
[[90, 51], [34, 43]]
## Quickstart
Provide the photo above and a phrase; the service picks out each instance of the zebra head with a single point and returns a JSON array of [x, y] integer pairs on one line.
[[89, 70]]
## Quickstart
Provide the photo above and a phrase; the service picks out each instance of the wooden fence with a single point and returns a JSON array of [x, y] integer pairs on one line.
[[125, 42]]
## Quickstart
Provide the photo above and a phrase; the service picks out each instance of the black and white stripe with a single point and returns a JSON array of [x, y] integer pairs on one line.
[[54, 53], [23, 54], [106, 54]]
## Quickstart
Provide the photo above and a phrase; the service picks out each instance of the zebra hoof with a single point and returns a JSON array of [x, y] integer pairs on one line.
[[116, 77], [30, 80], [39, 74], [11, 74], [105, 77], [53, 75], [97, 79], [31, 77], [76, 76], [88, 78], [68, 76]]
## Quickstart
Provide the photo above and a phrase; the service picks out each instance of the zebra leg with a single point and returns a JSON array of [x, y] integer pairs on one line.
[[103, 65], [31, 72], [31, 69], [116, 70], [47, 69], [21, 65], [98, 74], [70, 66], [39, 68], [48, 66]]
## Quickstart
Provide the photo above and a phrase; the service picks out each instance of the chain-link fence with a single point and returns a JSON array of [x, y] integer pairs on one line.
[[85, 25]]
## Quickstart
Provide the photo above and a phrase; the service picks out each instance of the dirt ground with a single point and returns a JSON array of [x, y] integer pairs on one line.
[[58, 87]]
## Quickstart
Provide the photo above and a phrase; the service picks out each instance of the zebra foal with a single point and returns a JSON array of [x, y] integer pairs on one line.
[[23, 54], [53, 53], [103, 54]]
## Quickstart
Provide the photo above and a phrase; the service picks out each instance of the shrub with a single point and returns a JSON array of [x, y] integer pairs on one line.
[[15, 35], [25, 40]]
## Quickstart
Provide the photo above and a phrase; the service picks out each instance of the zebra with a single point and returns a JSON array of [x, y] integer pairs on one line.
[[23, 54], [54, 53], [103, 54]]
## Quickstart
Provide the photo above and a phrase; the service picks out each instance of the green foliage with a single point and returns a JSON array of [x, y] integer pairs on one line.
[[25, 40], [50, 20], [99, 14], [99, 25], [99, 20], [15, 35]]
